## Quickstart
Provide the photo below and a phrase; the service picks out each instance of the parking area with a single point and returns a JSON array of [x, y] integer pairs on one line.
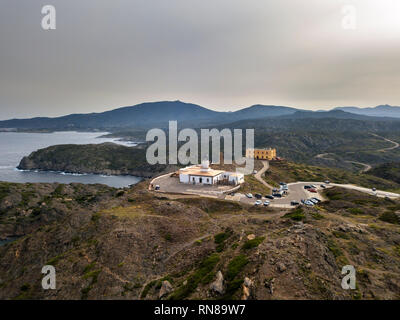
[[296, 193]]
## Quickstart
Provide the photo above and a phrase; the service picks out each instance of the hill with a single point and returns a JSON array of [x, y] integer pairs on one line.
[[125, 244], [389, 171], [106, 158]]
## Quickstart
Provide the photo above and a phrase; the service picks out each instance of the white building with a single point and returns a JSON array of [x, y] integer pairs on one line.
[[203, 174]]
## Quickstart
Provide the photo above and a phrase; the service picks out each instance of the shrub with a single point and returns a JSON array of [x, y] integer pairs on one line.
[[355, 211], [201, 275], [297, 215], [390, 217], [253, 243], [236, 266]]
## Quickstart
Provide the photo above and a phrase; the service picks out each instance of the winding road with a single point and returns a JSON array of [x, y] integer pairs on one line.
[[365, 165]]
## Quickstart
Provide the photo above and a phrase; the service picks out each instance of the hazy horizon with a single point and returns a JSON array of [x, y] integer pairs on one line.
[[223, 56]]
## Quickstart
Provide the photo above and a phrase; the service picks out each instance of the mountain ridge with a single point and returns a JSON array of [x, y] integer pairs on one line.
[[150, 114]]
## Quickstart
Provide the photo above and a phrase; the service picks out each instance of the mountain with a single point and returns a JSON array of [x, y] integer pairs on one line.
[[157, 114], [379, 111], [142, 115], [261, 111], [336, 114], [147, 115]]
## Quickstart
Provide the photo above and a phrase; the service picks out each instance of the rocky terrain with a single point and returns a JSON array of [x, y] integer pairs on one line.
[[134, 244], [106, 158]]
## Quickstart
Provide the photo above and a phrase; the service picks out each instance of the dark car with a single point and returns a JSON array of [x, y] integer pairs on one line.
[[258, 196], [307, 187], [294, 203], [277, 195], [270, 196]]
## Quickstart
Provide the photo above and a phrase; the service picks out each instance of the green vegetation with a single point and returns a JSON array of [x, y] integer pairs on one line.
[[390, 217], [220, 239], [89, 273], [252, 185], [201, 275], [147, 288], [55, 260], [389, 171], [296, 215], [236, 265], [233, 283], [103, 158], [253, 243], [355, 211]]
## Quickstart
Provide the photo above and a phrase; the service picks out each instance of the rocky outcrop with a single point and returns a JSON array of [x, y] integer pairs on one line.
[[166, 288], [247, 288], [218, 285]]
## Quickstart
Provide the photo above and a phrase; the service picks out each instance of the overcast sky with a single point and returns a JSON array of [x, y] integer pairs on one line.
[[221, 54]]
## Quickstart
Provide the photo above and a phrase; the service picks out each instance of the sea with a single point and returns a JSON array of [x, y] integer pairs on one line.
[[15, 145]]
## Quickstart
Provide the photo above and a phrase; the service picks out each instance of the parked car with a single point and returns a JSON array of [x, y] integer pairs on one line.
[[323, 186], [374, 189], [327, 182], [303, 201], [312, 190], [258, 202], [313, 201], [285, 187], [249, 195], [294, 203], [255, 172], [313, 186], [316, 199], [270, 196], [282, 183], [307, 187], [309, 203], [157, 187], [266, 203], [274, 190], [258, 196], [277, 195]]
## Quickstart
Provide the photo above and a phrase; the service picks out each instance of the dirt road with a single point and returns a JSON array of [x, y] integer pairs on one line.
[[259, 174]]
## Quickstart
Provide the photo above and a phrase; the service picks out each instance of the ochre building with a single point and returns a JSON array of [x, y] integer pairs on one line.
[[262, 154]]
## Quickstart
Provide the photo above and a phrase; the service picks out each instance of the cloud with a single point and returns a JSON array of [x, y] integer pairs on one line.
[[221, 54]]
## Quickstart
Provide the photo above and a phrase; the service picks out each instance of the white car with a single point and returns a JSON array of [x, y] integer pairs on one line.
[[249, 195], [266, 203], [258, 202], [308, 203]]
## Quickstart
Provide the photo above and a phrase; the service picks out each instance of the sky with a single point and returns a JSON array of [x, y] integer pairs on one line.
[[220, 54]]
